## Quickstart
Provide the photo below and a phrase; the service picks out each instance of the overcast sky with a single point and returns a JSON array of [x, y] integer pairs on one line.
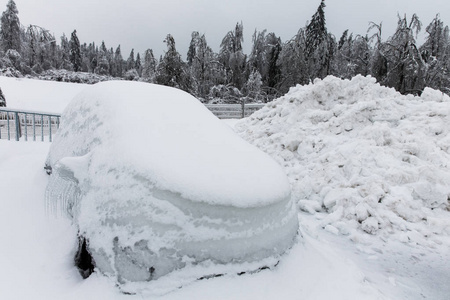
[[143, 24]]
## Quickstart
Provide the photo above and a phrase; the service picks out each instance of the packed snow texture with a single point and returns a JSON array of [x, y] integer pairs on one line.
[[363, 158], [156, 183], [38, 95], [38, 250]]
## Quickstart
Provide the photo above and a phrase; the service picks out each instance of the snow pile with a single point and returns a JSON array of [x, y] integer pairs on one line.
[[156, 183], [38, 95], [363, 158]]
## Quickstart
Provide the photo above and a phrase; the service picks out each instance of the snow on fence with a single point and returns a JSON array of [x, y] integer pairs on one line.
[[233, 111], [15, 124]]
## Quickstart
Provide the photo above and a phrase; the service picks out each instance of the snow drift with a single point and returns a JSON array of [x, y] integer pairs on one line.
[[362, 157], [156, 183]]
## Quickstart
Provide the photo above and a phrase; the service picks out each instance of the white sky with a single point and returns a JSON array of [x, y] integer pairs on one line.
[[142, 24]]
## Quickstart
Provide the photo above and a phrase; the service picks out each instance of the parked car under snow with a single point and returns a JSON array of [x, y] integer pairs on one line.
[[155, 183]]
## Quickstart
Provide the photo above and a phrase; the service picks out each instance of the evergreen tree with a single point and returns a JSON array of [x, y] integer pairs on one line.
[[39, 48], [436, 53], [75, 52], [343, 39], [316, 31], [319, 45], [253, 85], [118, 63], [232, 56], [192, 48], [292, 63], [103, 63], [138, 64], [64, 54], [263, 59], [131, 63], [10, 28], [378, 60], [203, 65], [273, 43], [171, 69], [102, 66], [437, 39], [2, 99], [405, 64], [149, 68], [257, 59]]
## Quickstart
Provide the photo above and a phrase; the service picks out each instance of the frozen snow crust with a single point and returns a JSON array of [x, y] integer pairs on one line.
[[156, 183], [363, 158]]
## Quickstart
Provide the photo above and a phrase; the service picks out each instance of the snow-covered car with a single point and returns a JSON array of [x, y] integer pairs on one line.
[[155, 183]]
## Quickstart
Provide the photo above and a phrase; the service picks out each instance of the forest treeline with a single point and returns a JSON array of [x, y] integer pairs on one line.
[[272, 67]]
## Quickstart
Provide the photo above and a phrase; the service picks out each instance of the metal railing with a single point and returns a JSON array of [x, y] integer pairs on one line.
[[233, 111], [15, 124]]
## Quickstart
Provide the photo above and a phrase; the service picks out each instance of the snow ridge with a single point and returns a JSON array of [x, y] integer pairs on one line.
[[363, 158]]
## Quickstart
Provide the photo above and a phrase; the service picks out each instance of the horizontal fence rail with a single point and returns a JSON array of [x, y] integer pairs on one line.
[[31, 125], [233, 111], [16, 124]]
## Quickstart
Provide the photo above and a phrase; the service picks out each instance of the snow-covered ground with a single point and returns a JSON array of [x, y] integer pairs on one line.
[[38, 95], [322, 128]]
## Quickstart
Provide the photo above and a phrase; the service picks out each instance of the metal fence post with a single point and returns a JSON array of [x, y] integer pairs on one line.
[[7, 122], [50, 128], [26, 127], [17, 122], [34, 127], [42, 128]]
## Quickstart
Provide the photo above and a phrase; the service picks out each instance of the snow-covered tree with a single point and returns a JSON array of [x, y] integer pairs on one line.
[[257, 58], [10, 28], [232, 56], [204, 67], [138, 64], [352, 56], [405, 64], [437, 39], [39, 48], [171, 69], [149, 68], [292, 63], [319, 45], [103, 62], [2, 99], [64, 54], [316, 30], [263, 59], [436, 53], [75, 52], [253, 85], [117, 69], [273, 73], [131, 62], [102, 66], [378, 60], [342, 66]]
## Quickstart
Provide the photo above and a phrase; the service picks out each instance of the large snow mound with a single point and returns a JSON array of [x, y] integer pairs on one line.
[[38, 95], [362, 157], [156, 182]]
